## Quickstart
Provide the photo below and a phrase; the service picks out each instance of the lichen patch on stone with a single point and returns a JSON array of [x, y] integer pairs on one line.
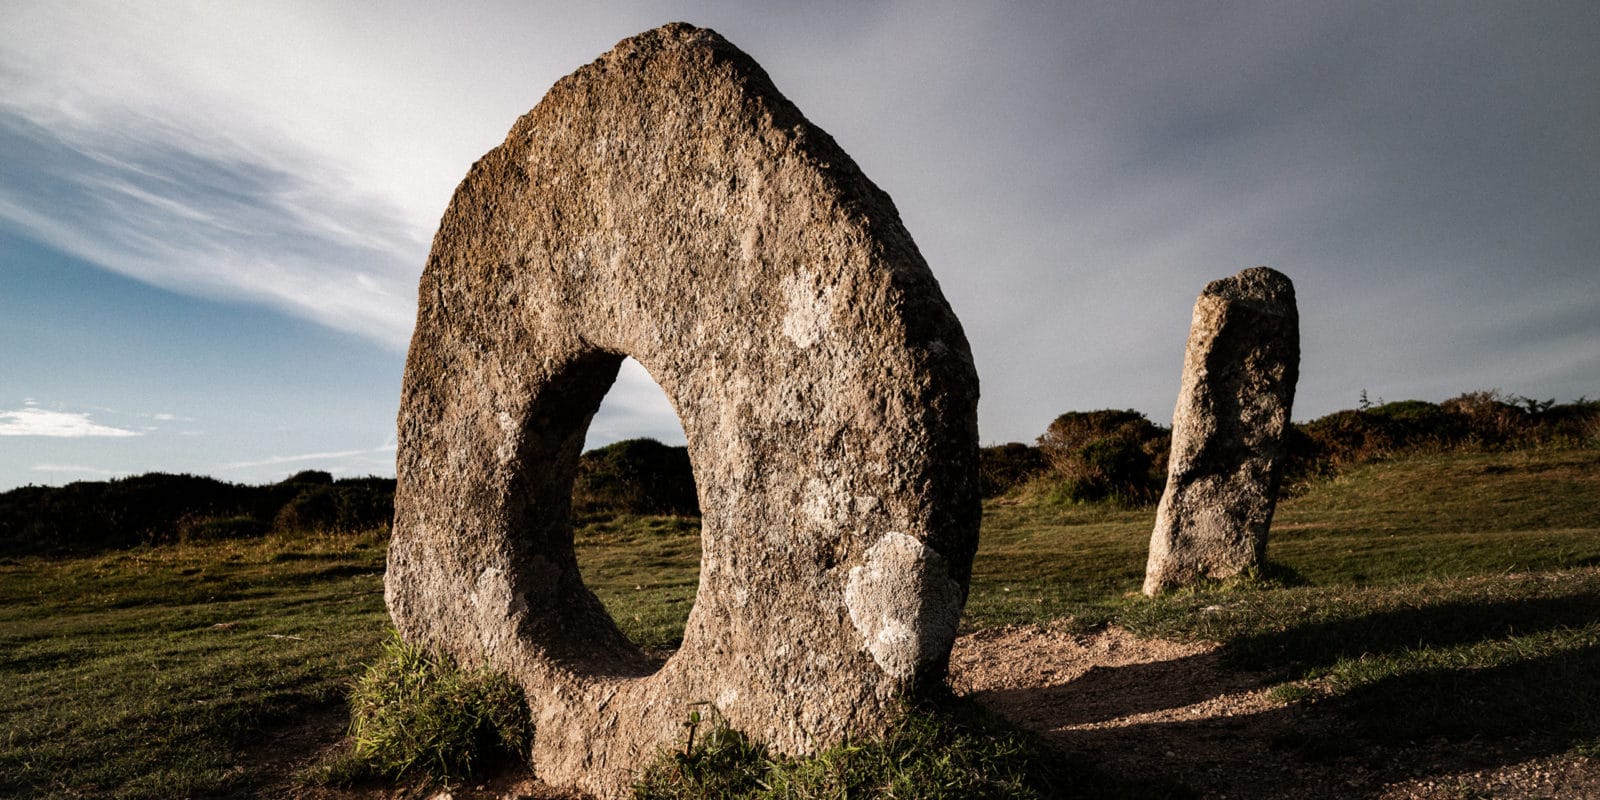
[[903, 603], [809, 310]]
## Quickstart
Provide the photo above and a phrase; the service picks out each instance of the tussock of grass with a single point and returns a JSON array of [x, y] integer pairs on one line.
[[716, 761], [930, 754], [416, 715]]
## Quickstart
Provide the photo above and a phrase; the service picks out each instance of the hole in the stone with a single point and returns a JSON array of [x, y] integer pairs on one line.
[[636, 521]]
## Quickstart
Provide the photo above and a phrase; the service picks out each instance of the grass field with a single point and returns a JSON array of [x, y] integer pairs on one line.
[[153, 672], [1450, 595]]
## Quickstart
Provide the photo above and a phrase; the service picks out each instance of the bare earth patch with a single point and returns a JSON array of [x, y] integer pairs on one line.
[[1176, 711]]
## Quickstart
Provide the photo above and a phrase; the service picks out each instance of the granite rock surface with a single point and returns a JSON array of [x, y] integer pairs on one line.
[[1228, 431], [667, 203]]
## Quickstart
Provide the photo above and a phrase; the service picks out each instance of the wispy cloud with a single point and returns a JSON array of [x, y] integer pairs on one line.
[[187, 146], [300, 458], [34, 421], [219, 220], [158, 151], [75, 469]]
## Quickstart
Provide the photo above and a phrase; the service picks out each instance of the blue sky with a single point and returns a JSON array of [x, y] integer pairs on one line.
[[213, 217]]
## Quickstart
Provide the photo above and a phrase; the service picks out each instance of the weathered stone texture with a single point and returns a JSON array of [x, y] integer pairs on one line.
[[1228, 432], [667, 203]]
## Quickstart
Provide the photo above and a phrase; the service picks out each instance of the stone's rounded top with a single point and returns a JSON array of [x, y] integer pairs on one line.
[[669, 36], [675, 43], [1261, 287]]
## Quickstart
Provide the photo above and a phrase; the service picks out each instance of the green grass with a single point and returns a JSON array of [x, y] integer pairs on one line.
[[1441, 516], [1485, 656], [1445, 516], [1038, 562], [1453, 596], [1448, 595], [151, 673], [645, 570], [1445, 596], [923, 757]]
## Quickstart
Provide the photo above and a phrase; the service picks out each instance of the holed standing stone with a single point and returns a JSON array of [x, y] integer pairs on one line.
[[1228, 432], [667, 203]]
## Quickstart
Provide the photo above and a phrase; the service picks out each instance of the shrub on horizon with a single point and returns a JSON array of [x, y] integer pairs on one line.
[[635, 476], [313, 476], [1108, 454], [1004, 467]]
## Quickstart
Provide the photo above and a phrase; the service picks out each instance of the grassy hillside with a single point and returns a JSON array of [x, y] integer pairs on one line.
[[1443, 595], [1429, 516]]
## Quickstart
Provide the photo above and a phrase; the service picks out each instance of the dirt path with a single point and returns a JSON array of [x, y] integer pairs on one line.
[[1176, 711], [1168, 710]]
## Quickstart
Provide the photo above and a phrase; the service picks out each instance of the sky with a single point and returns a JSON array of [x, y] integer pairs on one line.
[[213, 216]]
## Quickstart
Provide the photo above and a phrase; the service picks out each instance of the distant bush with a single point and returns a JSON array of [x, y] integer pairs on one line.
[[1491, 419], [365, 503], [1575, 424], [156, 508], [1121, 455], [639, 476], [1482, 420], [636, 476], [128, 511], [208, 529], [1108, 454], [1346, 437], [312, 476], [1004, 467], [310, 510], [349, 505]]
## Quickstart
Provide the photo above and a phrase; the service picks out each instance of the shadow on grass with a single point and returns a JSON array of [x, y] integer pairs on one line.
[[1554, 699], [1103, 694], [1411, 726], [1459, 686], [1536, 681], [1323, 644]]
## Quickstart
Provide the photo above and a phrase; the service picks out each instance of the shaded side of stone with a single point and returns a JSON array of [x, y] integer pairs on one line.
[[1228, 431], [667, 203]]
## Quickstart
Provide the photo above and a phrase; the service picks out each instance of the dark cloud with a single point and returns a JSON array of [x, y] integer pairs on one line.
[[1426, 173]]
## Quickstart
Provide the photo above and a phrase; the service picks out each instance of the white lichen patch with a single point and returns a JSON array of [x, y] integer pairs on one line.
[[809, 310], [904, 604], [496, 607], [824, 501], [506, 448]]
